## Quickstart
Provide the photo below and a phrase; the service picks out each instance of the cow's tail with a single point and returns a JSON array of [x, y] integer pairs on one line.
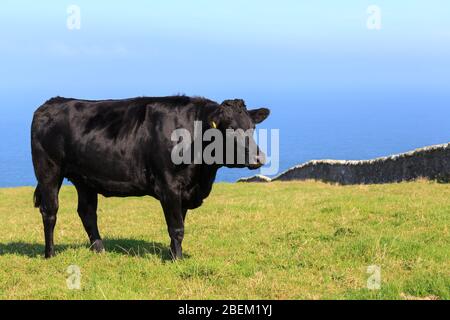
[[37, 197]]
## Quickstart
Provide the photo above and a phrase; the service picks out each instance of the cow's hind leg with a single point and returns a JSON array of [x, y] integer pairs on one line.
[[87, 210], [47, 193]]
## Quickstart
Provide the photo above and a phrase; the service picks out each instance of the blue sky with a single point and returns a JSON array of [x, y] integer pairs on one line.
[[223, 48]]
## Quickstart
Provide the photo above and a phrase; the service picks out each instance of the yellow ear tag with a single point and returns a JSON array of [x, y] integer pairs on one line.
[[213, 124]]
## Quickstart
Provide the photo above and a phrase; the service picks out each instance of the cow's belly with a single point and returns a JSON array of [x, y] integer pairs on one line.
[[110, 181]]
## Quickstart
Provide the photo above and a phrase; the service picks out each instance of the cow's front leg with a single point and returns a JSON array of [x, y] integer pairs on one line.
[[173, 212]]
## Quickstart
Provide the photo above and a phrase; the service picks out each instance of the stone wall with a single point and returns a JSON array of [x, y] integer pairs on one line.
[[430, 162]]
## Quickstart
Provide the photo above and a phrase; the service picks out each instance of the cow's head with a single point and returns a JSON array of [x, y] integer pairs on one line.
[[237, 125]]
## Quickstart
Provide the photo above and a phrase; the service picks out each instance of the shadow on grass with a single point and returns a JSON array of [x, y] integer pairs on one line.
[[139, 248], [129, 247]]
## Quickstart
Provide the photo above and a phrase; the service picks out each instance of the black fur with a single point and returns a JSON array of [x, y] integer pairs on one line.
[[123, 148]]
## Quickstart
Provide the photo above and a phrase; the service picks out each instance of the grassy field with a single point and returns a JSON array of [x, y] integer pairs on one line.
[[299, 240]]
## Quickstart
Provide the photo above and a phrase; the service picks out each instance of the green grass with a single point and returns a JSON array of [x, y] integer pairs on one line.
[[297, 240]]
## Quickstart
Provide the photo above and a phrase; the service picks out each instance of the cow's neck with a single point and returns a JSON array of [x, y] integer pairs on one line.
[[202, 176]]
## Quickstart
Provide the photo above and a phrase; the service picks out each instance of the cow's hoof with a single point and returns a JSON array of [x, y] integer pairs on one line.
[[49, 255], [176, 256], [97, 246]]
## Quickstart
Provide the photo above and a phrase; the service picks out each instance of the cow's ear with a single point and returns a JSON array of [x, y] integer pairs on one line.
[[259, 115]]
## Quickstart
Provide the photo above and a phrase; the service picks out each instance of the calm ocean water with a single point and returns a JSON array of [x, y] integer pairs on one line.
[[318, 126]]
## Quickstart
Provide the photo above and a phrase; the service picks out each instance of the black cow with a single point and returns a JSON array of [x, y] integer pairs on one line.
[[123, 148]]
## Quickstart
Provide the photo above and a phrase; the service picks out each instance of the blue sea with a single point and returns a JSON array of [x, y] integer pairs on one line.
[[315, 125]]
